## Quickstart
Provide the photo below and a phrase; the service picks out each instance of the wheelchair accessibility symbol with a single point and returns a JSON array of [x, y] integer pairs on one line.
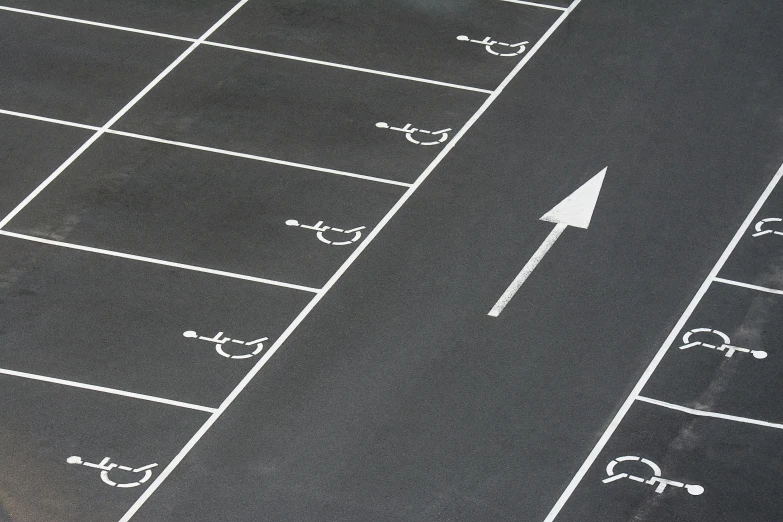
[[106, 466], [656, 480], [410, 131], [320, 228], [489, 44], [220, 341], [723, 347], [761, 231]]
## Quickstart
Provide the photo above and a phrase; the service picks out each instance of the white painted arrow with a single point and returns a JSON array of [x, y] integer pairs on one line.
[[574, 211]]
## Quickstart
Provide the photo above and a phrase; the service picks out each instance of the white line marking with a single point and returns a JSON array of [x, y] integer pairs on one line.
[[207, 149], [702, 413], [119, 115], [535, 4], [103, 389], [664, 348], [348, 262], [250, 50], [348, 67], [746, 285], [151, 260], [96, 24], [527, 269], [259, 158]]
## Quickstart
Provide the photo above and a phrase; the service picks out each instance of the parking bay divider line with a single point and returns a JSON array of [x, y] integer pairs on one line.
[[205, 148], [704, 413], [247, 49], [128, 106], [337, 275], [711, 277], [154, 261], [536, 4], [749, 286], [103, 389]]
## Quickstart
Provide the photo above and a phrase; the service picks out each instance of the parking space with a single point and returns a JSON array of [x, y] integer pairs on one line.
[[179, 18], [758, 258], [667, 465], [76, 456], [368, 34], [132, 326], [75, 72], [209, 210], [30, 151], [303, 113], [728, 358]]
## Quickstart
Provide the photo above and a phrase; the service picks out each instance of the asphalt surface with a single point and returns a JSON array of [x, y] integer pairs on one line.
[[396, 398]]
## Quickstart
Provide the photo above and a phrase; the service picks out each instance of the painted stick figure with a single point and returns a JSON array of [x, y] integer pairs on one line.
[[320, 228], [728, 348], [656, 480], [488, 44], [762, 232], [409, 131], [219, 342], [106, 466]]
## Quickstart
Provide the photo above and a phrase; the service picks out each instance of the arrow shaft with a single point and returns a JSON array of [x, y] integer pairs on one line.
[[527, 270]]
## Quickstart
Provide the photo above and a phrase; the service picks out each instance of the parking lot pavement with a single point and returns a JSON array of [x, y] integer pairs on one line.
[[64, 448], [420, 39], [107, 321], [209, 210], [31, 150], [76, 72], [667, 465], [178, 18]]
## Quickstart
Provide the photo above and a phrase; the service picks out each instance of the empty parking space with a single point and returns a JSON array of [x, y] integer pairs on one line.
[[667, 465], [473, 43], [121, 324], [210, 210], [75, 456], [727, 358], [75, 72]]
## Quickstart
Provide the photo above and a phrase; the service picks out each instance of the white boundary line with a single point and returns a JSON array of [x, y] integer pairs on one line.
[[662, 351], [702, 413], [154, 261], [348, 67], [746, 285], [119, 115], [103, 389], [333, 280], [535, 4], [206, 149], [251, 50]]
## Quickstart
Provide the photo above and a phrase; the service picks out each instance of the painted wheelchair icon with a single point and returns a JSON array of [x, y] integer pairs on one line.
[[725, 345], [410, 131], [354, 234], [656, 479], [106, 466], [490, 45]]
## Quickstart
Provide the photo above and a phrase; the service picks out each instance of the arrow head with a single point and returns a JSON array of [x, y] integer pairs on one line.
[[577, 209]]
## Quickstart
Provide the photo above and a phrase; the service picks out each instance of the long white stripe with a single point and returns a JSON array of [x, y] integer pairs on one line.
[[749, 286], [206, 149], [702, 413], [317, 298], [119, 115], [103, 389], [536, 4], [527, 270], [663, 349], [154, 261]]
